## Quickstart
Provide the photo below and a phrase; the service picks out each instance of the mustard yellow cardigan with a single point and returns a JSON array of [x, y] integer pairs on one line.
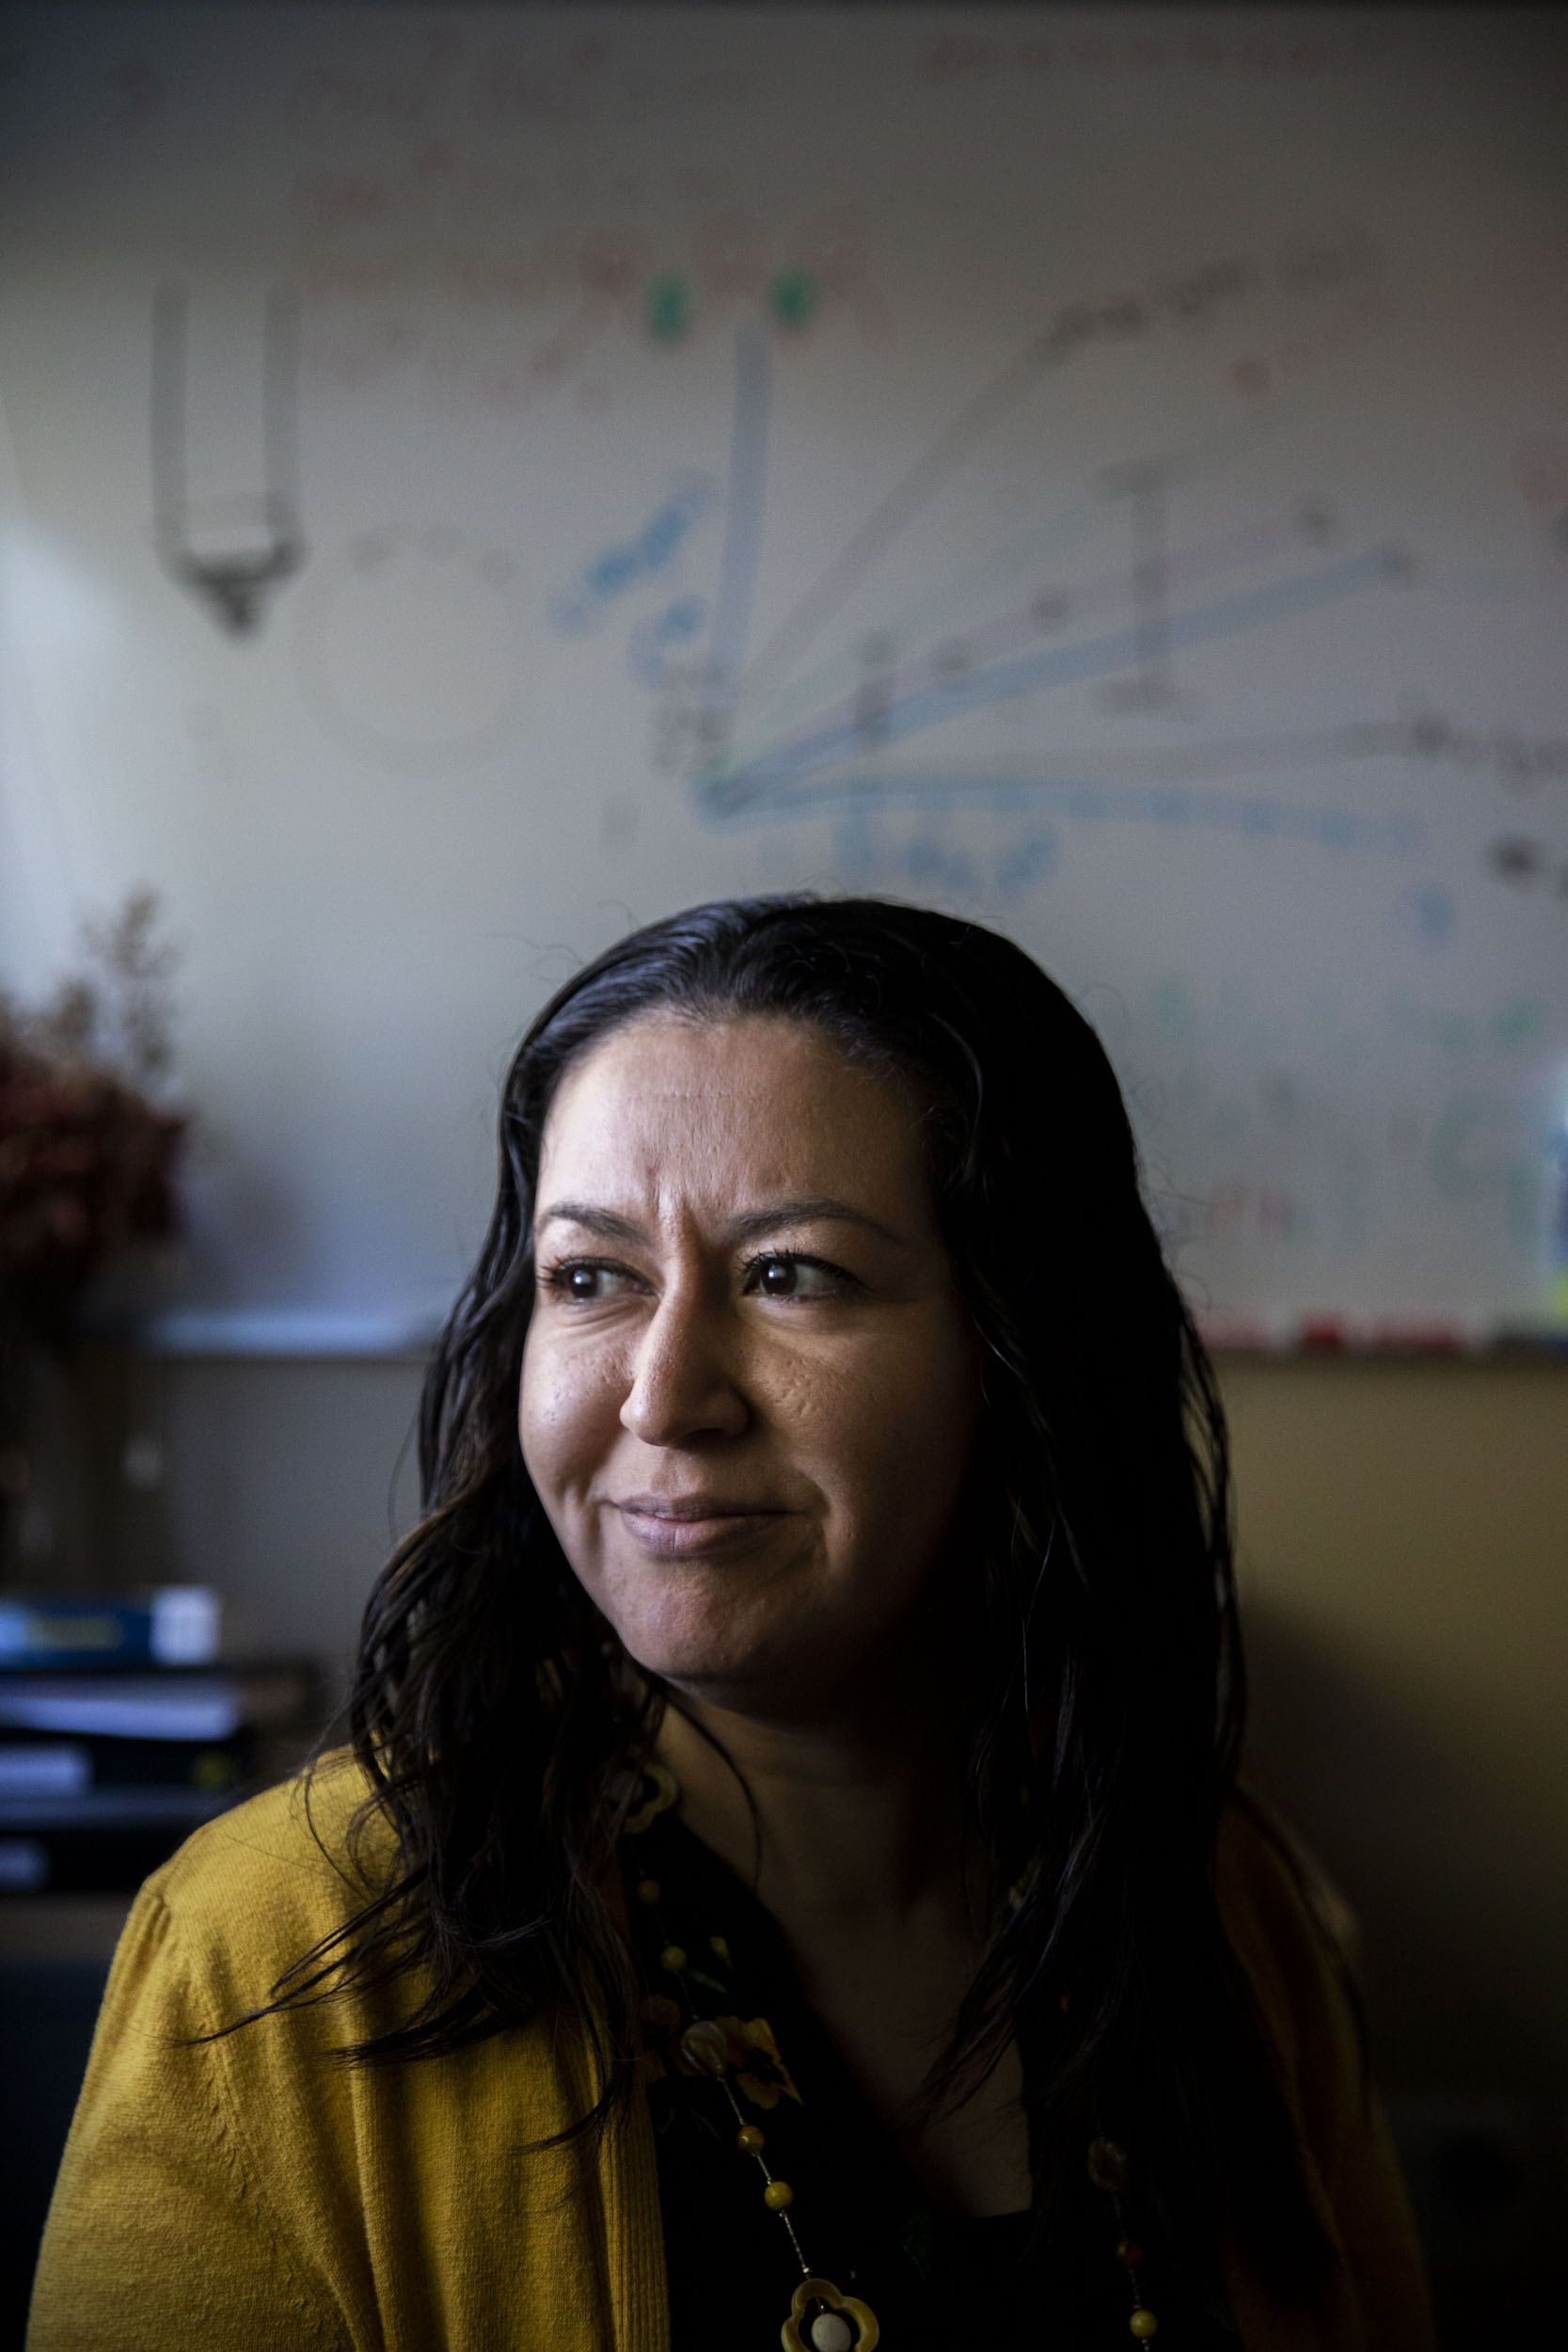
[[249, 2195]]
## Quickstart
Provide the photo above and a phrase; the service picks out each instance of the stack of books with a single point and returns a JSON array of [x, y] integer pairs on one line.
[[121, 1731]]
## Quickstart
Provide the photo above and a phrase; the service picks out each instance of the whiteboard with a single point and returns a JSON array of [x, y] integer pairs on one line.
[[1103, 472]]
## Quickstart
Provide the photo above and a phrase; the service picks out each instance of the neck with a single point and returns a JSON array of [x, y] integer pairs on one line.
[[851, 1822]]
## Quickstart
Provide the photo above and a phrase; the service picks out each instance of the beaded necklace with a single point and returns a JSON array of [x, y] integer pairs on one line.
[[821, 2318], [834, 2322]]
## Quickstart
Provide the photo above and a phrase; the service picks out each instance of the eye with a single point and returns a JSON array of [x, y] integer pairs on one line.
[[584, 1282], [783, 1273]]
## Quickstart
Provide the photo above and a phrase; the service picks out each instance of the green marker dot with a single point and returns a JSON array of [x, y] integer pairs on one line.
[[794, 295], [669, 307]]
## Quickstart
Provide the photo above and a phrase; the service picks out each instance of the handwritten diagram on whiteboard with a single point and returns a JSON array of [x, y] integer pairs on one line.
[[1109, 476]]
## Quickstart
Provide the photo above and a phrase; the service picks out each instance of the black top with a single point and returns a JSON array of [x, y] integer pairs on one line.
[[936, 2280]]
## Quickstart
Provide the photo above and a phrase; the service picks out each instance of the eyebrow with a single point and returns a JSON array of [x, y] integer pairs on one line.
[[813, 1208]]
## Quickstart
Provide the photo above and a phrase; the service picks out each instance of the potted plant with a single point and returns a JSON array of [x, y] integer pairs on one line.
[[89, 1153]]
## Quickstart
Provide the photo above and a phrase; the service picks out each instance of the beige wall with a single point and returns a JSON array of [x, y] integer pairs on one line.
[[1405, 1547], [287, 1485]]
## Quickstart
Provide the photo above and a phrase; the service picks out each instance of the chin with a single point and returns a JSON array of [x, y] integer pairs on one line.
[[696, 1623], [705, 1661], [700, 1648]]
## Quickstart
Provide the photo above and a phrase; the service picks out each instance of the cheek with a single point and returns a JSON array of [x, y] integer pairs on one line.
[[892, 1438], [568, 1414]]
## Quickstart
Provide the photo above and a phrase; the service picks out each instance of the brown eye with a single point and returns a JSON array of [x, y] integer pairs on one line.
[[789, 1277], [583, 1282]]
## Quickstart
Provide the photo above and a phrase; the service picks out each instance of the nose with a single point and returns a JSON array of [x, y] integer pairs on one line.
[[685, 1384]]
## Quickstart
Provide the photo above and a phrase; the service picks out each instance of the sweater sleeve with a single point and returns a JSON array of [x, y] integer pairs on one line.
[[159, 2233]]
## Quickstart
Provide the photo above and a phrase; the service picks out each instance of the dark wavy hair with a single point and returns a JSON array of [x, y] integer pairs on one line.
[[499, 1722]]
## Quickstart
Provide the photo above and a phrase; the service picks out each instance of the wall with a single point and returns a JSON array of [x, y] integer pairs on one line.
[[287, 1483], [1404, 1564], [1405, 1545]]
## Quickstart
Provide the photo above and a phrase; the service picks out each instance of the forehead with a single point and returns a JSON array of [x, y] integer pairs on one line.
[[760, 1107]]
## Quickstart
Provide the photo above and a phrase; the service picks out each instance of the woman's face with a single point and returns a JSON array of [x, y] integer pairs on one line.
[[751, 1388]]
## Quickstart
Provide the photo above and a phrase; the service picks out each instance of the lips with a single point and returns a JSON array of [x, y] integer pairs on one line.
[[682, 1526]]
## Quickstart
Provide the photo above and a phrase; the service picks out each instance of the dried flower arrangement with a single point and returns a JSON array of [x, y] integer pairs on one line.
[[87, 1155]]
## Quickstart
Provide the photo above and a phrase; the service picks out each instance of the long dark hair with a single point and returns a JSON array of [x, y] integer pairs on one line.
[[499, 1722]]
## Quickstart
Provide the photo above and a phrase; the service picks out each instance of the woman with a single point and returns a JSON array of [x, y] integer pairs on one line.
[[787, 1882]]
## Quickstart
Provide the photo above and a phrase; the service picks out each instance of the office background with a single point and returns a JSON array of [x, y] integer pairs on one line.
[[474, 479]]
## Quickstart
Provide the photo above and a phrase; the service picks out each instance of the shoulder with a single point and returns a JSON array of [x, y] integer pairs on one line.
[[255, 1890], [1279, 1907], [298, 1840], [1292, 1936]]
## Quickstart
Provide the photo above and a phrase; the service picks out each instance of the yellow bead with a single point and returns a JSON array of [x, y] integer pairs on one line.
[[648, 1891], [673, 1957], [719, 1949], [749, 2141], [1143, 2324], [777, 2194]]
